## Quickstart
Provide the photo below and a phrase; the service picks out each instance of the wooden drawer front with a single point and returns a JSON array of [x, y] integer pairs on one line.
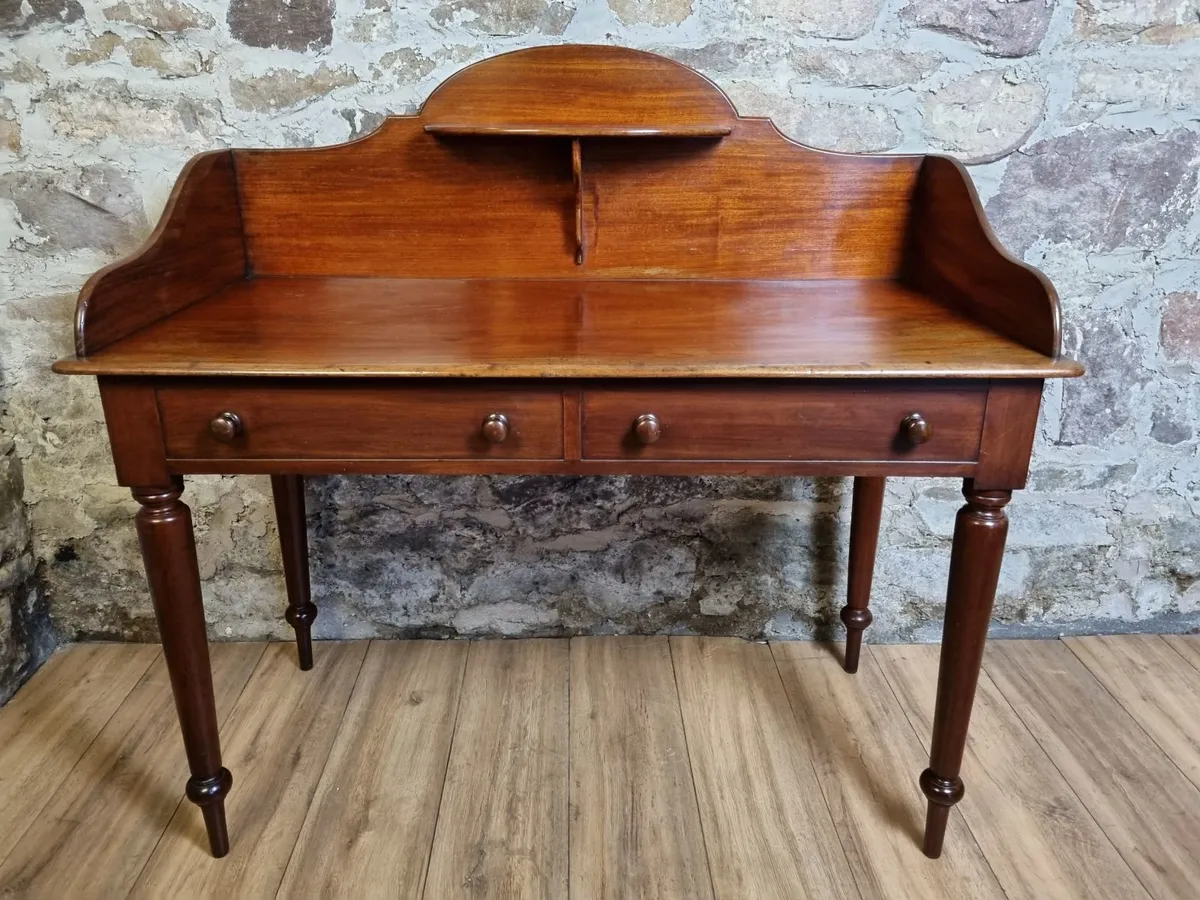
[[297, 421], [785, 422]]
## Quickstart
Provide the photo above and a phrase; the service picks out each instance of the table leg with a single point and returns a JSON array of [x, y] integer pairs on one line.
[[293, 538], [979, 533], [864, 538], [164, 527]]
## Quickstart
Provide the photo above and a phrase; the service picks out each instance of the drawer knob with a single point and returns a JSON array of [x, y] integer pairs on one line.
[[226, 427], [647, 429], [495, 428], [915, 429]]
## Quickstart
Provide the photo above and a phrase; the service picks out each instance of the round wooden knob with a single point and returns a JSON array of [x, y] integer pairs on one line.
[[226, 427], [646, 428], [915, 429], [495, 428]]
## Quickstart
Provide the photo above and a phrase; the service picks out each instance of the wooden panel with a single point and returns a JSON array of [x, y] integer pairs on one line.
[[635, 826], [866, 755], [100, 827], [502, 828], [611, 90], [1038, 837], [195, 249], [48, 725], [134, 431], [826, 421], [1145, 805], [405, 203], [371, 821], [1009, 429], [276, 743], [1157, 687], [766, 826], [515, 328], [372, 421], [955, 256]]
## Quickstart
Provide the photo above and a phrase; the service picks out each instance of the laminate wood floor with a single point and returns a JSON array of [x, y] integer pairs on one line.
[[610, 767]]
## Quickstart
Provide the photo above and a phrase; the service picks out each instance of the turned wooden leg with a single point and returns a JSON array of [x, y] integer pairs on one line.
[[979, 533], [293, 538], [864, 538], [164, 527]]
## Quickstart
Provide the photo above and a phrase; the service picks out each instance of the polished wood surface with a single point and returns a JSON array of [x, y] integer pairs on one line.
[[553, 328], [865, 513]]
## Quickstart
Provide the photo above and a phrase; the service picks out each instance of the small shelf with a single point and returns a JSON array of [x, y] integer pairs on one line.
[[715, 130]]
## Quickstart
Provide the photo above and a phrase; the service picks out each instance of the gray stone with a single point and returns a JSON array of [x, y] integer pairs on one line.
[[1168, 425], [651, 12], [107, 109], [14, 19], [404, 65], [97, 208], [507, 17], [984, 116], [287, 24], [1145, 21], [848, 19], [285, 88], [826, 124], [1097, 407], [10, 127], [1105, 89], [998, 27], [866, 68], [159, 15], [725, 56], [1099, 189], [1179, 333]]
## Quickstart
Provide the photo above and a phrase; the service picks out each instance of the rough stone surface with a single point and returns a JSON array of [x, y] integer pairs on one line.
[[998, 27], [1094, 137], [288, 24], [984, 116]]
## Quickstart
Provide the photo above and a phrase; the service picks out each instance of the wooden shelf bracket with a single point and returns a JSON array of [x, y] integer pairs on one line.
[[577, 174]]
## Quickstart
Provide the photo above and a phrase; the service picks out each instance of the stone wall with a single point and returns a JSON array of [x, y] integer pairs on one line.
[[1079, 120]]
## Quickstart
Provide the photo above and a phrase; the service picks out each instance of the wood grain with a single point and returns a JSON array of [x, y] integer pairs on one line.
[[1141, 800], [767, 830], [50, 723], [1187, 646], [515, 328], [635, 825], [383, 783], [1038, 837], [108, 815], [503, 821], [1156, 686], [276, 742], [866, 754]]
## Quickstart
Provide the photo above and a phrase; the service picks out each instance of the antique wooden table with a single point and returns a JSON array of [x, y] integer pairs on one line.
[[574, 260]]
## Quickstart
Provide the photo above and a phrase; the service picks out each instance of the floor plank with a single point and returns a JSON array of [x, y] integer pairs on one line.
[[502, 825], [1040, 840], [1156, 685], [767, 830], [370, 826], [1187, 646], [276, 743], [100, 827], [635, 826], [48, 725], [867, 757], [1145, 805]]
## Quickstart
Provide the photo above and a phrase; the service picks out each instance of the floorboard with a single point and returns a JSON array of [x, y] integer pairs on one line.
[[383, 782], [867, 758], [276, 743], [1187, 646], [635, 825], [1141, 800], [766, 827], [502, 824], [97, 831]]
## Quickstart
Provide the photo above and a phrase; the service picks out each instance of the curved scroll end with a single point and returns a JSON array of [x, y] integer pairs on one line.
[[955, 256], [579, 91], [195, 249]]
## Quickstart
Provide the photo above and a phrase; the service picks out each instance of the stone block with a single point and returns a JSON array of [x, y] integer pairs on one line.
[[97, 207], [287, 24], [845, 20], [17, 16], [998, 27], [159, 16], [984, 116], [1107, 89], [826, 124], [651, 12], [507, 17], [1095, 408], [1179, 333], [1144, 21], [866, 68], [285, 88]]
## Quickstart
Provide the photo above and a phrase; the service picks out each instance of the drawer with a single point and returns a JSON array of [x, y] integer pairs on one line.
[[858, 421], [300, 420]]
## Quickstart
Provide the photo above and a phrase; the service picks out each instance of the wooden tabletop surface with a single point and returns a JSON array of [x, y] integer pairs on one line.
[[304, 326]]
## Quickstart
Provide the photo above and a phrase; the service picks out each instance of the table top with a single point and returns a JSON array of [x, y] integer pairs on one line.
[[540, 328]]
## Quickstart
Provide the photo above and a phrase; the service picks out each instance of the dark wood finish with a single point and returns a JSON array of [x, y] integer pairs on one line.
[[822, 420], [288, 492], [196, 249], [574, 260], [359, 420], [164, 527], [578, 91], [979, 534], [866, 510]]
